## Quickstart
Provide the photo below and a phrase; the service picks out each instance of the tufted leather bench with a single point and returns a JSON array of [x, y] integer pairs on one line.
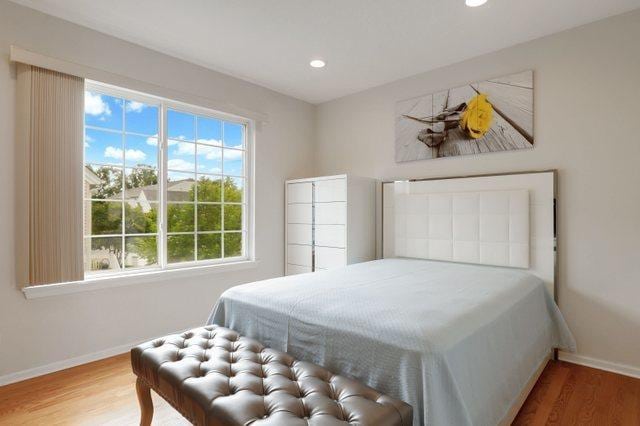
[[214, 376]]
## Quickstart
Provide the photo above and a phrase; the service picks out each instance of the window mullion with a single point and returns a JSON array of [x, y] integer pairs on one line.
[[195, 190], [162, 163], [222, 253], [123, 253]]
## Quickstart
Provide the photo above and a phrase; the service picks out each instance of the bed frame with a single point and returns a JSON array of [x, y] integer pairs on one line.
[[543, 242]]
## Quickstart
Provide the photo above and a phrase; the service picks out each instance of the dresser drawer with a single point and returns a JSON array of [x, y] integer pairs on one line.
[[299, 234], [330, 236], [300, 213], [299, 192], [296, 269], [331, 213], [331, 190], [327, 258], [299, 255]]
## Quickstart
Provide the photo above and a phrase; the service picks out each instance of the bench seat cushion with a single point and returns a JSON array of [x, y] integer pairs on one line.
[[214, 376]]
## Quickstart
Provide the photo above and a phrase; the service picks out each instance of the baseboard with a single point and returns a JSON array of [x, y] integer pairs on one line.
[[19, 376], [71, 362], [625, 370]]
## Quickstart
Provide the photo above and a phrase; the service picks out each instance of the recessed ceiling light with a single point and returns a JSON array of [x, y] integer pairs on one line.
[[317, 63], [475, 3]]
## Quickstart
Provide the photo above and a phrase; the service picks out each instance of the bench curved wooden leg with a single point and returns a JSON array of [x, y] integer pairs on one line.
[[146, 404]]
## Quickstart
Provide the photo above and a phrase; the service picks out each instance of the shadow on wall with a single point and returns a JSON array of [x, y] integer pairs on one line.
[[609, 325]]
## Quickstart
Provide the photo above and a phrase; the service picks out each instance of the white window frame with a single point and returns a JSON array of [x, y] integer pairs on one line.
[[248, 217]]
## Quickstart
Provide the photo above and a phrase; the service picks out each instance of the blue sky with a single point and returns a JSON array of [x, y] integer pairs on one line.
[[104, 143]]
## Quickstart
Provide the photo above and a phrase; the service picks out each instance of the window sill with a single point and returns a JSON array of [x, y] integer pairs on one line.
[[97, 283]]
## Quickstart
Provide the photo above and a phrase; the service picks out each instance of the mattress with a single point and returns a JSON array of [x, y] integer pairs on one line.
[[457, 342]]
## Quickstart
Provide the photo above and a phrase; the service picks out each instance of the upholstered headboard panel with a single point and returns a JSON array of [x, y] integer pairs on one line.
[[486, 227], [505, 220]]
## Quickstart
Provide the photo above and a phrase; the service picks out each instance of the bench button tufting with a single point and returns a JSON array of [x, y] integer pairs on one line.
[[316, 388]]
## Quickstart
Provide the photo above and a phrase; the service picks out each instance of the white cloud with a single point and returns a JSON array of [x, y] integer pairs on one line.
[[232, 154], [112, 152], [210, 141], [153, 141], [209, 152], [117, 153], [185, 148], [180, 164], [214, 153], [95, 105], [135, 155], [133, 106]]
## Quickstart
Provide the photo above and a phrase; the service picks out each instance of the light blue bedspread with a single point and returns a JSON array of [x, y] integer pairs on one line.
[[457, 342]]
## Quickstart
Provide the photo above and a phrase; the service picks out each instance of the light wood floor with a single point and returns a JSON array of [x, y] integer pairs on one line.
[[103, 393]]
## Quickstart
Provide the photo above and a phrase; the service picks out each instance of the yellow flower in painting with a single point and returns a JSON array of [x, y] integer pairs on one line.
[[476, 119]]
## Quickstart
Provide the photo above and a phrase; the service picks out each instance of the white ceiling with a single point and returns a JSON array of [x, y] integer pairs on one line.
[[365, 42]]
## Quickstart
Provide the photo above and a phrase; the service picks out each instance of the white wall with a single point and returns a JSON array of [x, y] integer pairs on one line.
[[587, 97], [34, 333]]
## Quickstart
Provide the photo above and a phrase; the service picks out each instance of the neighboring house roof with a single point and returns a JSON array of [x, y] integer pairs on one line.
[[177, 190], [90, 177]]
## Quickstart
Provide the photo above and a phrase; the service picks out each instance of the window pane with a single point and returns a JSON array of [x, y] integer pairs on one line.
[[180, 125], [209, 159], [141, 186], [209, 189], [182, 157], [232, 217], [209, 131], [102, 182], [141, 151], [102, 253], [140, 218], [102, 111], [233, 189], [233, 162], [209, 217], [141, 118], [180, 248], [232, 244], [103, 147], [180, 217], [209, 246], [105, 217], [233, 135], [140, 252], [180, 186]]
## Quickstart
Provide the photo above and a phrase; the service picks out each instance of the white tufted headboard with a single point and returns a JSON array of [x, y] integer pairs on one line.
[[504, 220]]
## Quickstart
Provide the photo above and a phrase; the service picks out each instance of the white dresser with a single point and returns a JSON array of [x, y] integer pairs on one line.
[[330, 222]]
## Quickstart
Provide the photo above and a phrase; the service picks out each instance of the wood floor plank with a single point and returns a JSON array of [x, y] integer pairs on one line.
[[103, 393], [538, 406]]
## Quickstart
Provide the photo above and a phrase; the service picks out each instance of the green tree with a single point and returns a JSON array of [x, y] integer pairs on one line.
[[181, 218], [110, 182], [137, 178]]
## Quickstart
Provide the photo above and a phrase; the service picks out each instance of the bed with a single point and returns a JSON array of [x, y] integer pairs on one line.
[[461, 343]]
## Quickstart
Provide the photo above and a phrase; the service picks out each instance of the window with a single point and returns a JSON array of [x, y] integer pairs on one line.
[[165, 184]]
